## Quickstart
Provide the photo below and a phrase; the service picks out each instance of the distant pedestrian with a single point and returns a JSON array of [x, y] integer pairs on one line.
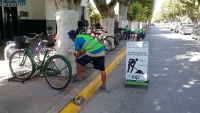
[[143, 34], [138, 33], [127, 30]]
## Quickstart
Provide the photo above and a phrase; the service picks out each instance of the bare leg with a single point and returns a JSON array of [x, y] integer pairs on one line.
[[103, 77], [79, 70]]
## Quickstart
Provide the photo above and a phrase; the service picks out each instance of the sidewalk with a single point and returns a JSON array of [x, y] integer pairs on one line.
[[35, 96]]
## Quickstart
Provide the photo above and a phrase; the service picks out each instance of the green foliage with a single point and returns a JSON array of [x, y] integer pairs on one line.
[[97, 16], [173, 10], [140, 10], [91, 9], [134, 9]]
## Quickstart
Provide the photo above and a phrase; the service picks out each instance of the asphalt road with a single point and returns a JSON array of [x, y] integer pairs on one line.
[[174, 74]]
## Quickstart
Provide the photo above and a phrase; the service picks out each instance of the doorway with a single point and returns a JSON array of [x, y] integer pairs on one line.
[[10, 22]]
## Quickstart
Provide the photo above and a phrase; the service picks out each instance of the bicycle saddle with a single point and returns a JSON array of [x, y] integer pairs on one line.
[[48, 43]]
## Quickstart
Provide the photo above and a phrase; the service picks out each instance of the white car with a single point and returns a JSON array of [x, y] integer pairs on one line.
[[173, 26]]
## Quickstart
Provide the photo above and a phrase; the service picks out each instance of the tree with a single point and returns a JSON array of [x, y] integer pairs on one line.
[[91, 9], [141, 10], [67, 15], [133, 10], [173, 10], [107, 13]]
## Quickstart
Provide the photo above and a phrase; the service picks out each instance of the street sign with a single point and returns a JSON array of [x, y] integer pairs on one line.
[[23, 13], [12, 3], [137, 63]]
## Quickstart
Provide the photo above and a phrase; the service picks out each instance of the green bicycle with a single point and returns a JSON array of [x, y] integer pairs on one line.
[[23, 64]]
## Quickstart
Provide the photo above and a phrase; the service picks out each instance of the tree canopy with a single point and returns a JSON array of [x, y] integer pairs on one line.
[[140, 10], [178, 10]]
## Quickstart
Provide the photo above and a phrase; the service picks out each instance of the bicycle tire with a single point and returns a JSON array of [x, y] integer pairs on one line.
[[23, 75], [9, 49], [119, 36], [123, 36], [47, 76], [115, 46], [109, 43]]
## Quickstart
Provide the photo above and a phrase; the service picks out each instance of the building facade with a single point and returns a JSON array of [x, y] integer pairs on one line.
[[35, 16]]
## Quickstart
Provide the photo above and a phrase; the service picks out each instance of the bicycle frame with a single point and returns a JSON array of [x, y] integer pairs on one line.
[[28, 52]]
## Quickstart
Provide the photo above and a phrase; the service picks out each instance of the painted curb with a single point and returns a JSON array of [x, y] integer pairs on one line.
[[71, 108], [88, 91]]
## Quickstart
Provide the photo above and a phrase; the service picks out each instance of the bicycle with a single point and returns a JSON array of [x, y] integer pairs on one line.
[[99, 35], [23, 64], [10, 47]]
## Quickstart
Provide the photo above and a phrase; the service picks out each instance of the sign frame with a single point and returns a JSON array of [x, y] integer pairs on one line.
[[137, 57]]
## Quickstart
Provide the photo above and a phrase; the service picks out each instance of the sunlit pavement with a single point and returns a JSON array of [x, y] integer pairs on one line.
[[174, 74], [4, 70], [35, 95]]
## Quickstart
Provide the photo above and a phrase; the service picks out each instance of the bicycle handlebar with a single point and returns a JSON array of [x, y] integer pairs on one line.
[[36, 35], [28, 38]]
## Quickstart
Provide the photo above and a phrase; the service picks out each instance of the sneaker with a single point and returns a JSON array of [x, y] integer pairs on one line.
[[76, 80], [104, 89]]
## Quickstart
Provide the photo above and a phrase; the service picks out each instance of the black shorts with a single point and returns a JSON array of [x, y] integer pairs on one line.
[[98, 62]]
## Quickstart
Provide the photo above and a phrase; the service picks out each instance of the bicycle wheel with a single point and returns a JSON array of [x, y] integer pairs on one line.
[[58, 72], [107, 45], [124, 36], [9, 49], [111, 38], [21, 65]]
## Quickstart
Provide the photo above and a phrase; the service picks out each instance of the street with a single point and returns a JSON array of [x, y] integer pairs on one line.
[[174, 79]]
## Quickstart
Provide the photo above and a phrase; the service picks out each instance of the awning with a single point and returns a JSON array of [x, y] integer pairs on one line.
[[12, 3]]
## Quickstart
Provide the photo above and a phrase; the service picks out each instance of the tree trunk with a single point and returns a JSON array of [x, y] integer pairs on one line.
[[67, 15], [125, 15], [108, 15], [66, 21], [121, 15], [130, 24], [108, 25]]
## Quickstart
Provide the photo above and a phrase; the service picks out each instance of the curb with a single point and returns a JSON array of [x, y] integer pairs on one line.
[[88, 91]]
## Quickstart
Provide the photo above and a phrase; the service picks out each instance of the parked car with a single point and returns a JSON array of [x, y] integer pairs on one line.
[[178, 26], [173, 26], [196, 33], [186, 29], [166, 25]]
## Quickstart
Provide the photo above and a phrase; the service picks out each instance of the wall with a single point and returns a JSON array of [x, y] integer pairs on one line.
[[41, 16], [36, 20], [50, 18], [35, 9], [84, 3]]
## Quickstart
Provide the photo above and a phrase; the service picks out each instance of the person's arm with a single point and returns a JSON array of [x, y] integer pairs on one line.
[[77, 47]]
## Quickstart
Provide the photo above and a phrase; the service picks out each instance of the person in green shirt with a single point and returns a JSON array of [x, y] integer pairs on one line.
[[127, 30], [88, 49], [143, 34], [139, 33]]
